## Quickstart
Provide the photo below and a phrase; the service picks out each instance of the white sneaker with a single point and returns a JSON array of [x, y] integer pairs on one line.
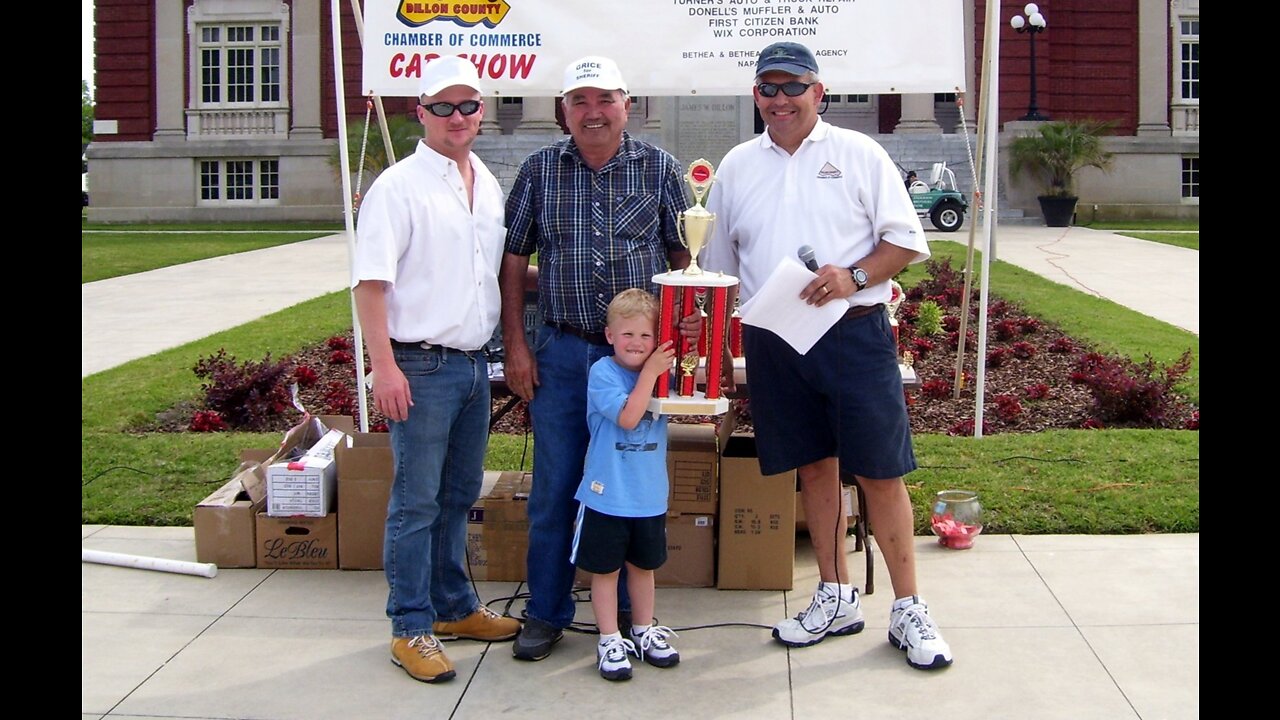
[[611, 653], [911, 629], [827, 615], [653, 646]]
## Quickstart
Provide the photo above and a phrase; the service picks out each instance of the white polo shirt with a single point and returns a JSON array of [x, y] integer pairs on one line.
[[840, 193], [440, 256]]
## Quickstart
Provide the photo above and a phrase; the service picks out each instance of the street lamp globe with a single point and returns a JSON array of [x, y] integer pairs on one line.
[[1033, 24]]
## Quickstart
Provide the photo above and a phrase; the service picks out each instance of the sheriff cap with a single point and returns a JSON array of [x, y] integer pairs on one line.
[[593, 71]]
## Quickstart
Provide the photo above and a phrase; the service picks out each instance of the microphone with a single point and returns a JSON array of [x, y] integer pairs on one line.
[[806, 256]]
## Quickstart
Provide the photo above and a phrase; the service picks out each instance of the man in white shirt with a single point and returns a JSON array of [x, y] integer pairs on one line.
[[839, 408], [425, 275]]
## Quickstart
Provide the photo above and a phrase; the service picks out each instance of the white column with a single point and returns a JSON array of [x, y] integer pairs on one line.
[[304, 54], [539, 115], [490, 124], [170, 102], [1153, 74], [917, 115]]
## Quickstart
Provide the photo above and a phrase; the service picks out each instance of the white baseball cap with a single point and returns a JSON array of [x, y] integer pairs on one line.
[[593, 71], [444, 72]]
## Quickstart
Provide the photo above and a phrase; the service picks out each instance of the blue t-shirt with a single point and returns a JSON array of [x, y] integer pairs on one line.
[[625, 474]]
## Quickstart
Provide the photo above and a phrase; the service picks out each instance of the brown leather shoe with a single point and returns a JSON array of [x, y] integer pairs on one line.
[[483, 624], [421, 657]]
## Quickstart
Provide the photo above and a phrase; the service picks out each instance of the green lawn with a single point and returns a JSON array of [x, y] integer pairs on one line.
[[1181, 239], [117, 251]]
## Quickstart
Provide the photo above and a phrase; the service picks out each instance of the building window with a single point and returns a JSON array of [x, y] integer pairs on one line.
[[240, 64], [1189, 58], [239, 181], [1191, 177]]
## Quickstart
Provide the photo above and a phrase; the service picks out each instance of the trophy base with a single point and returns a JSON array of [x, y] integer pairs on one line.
[[677, 278], [696, 404]]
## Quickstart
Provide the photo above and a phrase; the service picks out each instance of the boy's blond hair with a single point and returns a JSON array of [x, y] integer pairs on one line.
[[630, 303]]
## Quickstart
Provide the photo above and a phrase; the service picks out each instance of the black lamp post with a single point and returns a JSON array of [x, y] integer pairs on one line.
[[1033, 25]]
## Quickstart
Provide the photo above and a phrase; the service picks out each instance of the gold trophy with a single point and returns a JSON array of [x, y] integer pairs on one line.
[[695, 223]]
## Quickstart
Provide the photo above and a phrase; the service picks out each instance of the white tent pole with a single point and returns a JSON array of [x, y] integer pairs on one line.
[[347, 212], [377, 99], [991, 108]]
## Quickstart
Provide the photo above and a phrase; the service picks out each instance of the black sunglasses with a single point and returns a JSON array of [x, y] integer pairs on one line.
[[794, 88], [445, 109]]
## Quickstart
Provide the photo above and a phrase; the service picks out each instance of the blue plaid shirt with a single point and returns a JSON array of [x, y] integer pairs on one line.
[[596, 233]]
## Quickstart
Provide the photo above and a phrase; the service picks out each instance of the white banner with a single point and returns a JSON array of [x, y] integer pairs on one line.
[[667, 47]]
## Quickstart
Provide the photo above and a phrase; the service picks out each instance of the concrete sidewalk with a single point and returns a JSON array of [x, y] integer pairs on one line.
[[1046, 627]]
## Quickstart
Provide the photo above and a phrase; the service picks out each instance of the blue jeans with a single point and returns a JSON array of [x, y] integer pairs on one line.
[[439, 466], [560, 434]]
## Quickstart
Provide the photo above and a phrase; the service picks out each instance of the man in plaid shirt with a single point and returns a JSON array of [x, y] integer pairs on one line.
[[600, 208]]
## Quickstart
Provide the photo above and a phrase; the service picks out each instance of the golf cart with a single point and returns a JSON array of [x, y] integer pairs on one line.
[[938, 199]]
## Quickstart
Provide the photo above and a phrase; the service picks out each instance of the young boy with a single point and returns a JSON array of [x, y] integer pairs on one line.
[[623, 494]]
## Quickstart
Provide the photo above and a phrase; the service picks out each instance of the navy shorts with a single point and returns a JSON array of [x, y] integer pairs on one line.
[[844, 399], [602, 542]]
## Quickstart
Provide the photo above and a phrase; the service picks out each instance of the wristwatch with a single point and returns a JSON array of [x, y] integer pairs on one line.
[[859, 277]]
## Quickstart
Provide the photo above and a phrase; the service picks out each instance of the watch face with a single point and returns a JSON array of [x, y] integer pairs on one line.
[[860, 276]]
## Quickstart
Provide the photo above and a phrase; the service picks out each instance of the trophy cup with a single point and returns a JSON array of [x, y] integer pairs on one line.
[[694, 226]]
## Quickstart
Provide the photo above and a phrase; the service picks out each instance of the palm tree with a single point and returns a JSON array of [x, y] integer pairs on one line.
[[405, 132], [1058, 151]]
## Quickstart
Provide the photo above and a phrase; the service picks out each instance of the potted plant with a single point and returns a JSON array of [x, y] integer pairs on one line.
[[1054, 154]]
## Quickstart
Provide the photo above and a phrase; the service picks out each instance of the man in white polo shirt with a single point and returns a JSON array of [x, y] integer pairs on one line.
[[839, 408]]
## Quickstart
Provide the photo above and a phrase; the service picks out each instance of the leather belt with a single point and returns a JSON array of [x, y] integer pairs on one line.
[[430, 347], [595, 338], [858, 311]]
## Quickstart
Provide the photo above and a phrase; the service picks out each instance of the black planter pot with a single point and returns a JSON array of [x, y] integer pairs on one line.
[[1057, 211]]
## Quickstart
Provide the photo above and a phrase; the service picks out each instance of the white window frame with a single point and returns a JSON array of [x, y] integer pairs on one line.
[[1186, 68], [214, 26], [1189, 180], [264, 179]]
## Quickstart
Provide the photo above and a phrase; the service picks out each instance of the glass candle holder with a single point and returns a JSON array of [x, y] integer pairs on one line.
[[957, 518]]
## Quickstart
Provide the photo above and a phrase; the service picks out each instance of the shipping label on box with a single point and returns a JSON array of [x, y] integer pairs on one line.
[[306, 486], [692, 468], [298, 543], [757, 522]]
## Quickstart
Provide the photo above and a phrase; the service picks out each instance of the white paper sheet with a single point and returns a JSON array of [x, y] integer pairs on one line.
[[777, 307]]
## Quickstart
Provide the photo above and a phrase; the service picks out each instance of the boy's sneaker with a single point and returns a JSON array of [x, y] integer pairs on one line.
[[421, 657], [535, 640], [652, 646], [911, 629], [827, 615], [483, 624], [612, 657]]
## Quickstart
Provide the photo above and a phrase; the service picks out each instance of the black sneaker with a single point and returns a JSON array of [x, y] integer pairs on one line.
[[624, 623], [535, 640]]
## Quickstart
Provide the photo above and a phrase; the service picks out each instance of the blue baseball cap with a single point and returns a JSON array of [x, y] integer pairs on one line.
[[789, 57]]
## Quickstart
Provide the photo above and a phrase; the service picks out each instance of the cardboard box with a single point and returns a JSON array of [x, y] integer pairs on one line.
[[477, 559], [297, 543], [692, 468], [757, 521], [224, 524], [498, 528], [365, 473], [691, 552], [848, 497]]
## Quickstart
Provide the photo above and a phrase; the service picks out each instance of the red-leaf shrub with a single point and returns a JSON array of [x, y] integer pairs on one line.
[[1125, 391], [951, 323], [1007, 407], [997, 356], [1023, 350], [1039, 391], [305, 376], [341, 357], [965, 427], [207, 421], [937, 389], [247, 396], [339, 399], [338, 342], [921, 346], [1092, 424], [1193, 422], [1063, 344], [1006, 329], [1028, 325]]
